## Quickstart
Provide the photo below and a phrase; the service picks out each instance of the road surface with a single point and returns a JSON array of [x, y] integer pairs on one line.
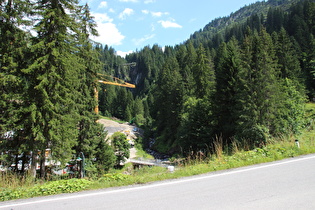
[[287, 184]]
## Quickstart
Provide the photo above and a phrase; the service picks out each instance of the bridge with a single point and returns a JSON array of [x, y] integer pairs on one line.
[[138, 163]]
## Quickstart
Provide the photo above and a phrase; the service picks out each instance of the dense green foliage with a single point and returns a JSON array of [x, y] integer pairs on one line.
[[243, 79]]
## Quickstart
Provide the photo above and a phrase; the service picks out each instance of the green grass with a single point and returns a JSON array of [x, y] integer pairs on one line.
[[113, 119], [129, 176], [144, 154], [141, 153]]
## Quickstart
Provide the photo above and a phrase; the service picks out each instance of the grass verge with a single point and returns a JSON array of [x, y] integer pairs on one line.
[[130, 176]]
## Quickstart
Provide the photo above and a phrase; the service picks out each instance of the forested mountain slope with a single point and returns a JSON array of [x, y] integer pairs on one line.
[[223, 23], [243, 79]]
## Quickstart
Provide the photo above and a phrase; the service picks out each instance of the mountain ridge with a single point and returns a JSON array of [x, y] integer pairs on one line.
[[240, 16]]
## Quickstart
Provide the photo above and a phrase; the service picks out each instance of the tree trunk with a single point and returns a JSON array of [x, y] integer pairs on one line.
[[33, 165], [42, 165]]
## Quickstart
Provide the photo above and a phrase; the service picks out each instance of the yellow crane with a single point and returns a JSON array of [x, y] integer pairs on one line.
[[115, 81]]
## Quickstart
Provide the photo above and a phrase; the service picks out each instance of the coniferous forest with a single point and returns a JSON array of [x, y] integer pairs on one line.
[[244, 78]]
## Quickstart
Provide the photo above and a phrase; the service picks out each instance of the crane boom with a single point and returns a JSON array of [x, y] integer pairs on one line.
[[125, 84], [116, 81]]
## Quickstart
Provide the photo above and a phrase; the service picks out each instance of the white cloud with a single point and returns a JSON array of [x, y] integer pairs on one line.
[[133, 1], [101, 18], [154, 14], [143, 39], [125, 13], [103, 4], [123, 54], [158, 14], [169, 24], [145, 11], [108, 32]]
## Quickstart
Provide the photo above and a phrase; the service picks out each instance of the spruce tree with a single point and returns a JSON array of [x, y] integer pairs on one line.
[[105, 157], [203, 73], [186, 57], [13, 58], [309, 67], [121, 147], [168, 104], [54, 82], [258, 98], [225, 105], [287, 57], [91, 133]]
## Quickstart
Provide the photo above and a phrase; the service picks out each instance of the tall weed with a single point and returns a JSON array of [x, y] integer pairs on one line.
[[14, 180], [218, 146]]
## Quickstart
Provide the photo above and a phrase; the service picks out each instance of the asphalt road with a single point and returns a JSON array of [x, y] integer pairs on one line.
[[287, 184]]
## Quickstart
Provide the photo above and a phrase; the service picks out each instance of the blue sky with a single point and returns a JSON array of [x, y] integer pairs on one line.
[[129, 25]]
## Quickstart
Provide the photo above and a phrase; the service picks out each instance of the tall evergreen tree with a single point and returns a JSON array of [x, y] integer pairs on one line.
[[308, 65], [13, 58], [225, 105], [203, 72], [287, 57], [54, 82], [168, 104], [104, 157], [260, 91], [275, 19], [186, 57], [91, 133]]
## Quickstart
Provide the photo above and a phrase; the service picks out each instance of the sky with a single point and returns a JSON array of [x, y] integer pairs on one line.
[[130, 25]]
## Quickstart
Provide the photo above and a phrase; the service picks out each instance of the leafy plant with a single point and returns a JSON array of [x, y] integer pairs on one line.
[[114, 177], [49, 188]]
